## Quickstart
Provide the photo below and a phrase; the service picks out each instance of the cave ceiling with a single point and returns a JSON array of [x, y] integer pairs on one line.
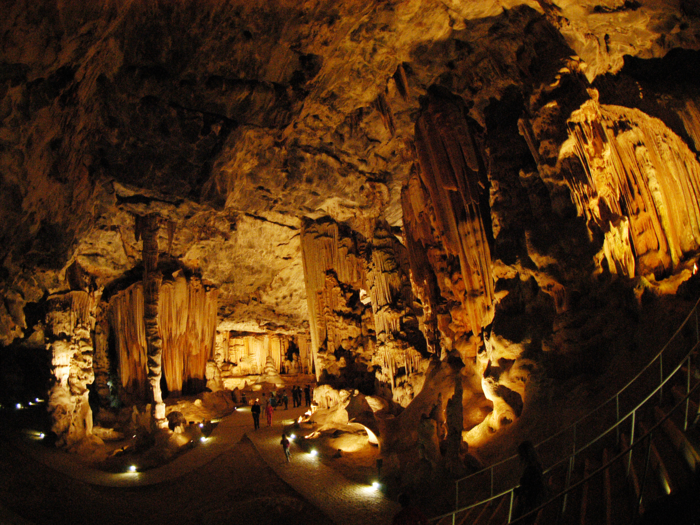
[[236, 120]]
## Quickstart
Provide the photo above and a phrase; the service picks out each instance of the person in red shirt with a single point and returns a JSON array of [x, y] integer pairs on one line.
[[268, 412]]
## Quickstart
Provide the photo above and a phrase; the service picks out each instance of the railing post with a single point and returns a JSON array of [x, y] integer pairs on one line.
[[661, 374], [456, 495], [644, 477], [568, 484], [629, 460], [510, 508], [687, 399], [617, 418]]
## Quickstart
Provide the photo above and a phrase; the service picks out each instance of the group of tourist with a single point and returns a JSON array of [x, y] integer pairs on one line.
[[276, 399], [296, 395]]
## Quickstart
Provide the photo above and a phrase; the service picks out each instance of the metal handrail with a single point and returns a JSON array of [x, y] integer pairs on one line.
[[625, 453], [615, 397]]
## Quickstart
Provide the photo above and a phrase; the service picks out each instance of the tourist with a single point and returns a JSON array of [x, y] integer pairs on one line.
[[268, 412], [296, 398], [532, 491], [244, 399], [273, 400], [255, 410], [285, 446], [285, 399], [307, 395]]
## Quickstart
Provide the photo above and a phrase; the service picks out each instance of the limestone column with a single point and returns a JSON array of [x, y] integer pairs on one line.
[[69, 323], [101, 364], [151, 291]]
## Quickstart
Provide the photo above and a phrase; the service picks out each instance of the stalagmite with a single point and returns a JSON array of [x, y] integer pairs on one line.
[[148, 227], [70, 322]]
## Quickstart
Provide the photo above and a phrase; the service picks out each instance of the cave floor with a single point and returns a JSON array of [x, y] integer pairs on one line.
[[237, 476]]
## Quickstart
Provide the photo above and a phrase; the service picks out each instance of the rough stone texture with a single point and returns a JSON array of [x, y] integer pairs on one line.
[[392, 183]]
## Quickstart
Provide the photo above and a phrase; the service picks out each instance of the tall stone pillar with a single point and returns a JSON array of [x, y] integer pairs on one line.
[[151, 290], [69, 322]]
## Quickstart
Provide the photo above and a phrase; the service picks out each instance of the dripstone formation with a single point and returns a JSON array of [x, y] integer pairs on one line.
[[418, 200]]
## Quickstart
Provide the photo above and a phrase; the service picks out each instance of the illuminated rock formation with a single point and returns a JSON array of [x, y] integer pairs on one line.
[[641, 188], [270, 373], [187, 314], [366, 191], [70, 323], [335, 275], [454, 250]]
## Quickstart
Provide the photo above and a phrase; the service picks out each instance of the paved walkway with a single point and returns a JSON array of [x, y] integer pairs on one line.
[[343, 501]]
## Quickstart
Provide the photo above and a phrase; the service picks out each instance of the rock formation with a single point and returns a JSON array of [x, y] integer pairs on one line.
[[368, 192]]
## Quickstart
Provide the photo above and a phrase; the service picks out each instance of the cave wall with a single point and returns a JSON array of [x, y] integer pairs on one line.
[[388, 182]]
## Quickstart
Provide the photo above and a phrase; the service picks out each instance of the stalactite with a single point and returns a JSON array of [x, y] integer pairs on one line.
[[173, 315], [384, 109], [187, 314], [325, 249], [451, 175], [690, 115], [126, 320], [305, 354], [250, 352], [638, 173], [151, 290], [401, 82], [419, 242], [201, 324]]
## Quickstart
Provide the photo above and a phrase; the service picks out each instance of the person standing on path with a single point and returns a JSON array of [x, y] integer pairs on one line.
[[268, 413], [255, 410], [307, 395], [285, 399], [285, 446], [532, 491]]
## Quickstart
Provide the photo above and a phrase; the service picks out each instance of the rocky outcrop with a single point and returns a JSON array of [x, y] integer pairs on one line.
[[70, 322]]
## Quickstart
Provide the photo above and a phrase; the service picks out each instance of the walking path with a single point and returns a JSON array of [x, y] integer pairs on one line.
[[343, 501]]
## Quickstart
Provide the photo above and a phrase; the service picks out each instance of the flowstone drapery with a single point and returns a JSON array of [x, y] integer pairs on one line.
[[187, 324], [447, 236], [363, 325], [642, 188]]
